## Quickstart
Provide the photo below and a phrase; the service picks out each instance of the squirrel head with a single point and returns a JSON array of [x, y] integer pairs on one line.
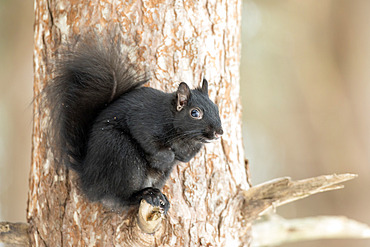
[[196, 116]]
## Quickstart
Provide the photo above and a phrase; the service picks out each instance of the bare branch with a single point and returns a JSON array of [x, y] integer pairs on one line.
[[14, 233], [277, 230], [281, 191]]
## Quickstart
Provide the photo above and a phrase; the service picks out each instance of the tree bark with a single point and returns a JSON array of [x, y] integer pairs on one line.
[[180, 41]]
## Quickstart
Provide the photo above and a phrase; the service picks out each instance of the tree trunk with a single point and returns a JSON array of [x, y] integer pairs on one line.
[[180, 41]]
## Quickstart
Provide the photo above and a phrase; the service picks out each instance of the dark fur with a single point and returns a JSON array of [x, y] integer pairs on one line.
[[122, 139]]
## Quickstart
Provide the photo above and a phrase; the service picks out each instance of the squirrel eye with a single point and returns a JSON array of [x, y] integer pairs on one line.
[[196, 113]]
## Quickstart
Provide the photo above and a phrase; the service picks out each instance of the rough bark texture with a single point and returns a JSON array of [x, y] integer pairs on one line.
[[180, 41]]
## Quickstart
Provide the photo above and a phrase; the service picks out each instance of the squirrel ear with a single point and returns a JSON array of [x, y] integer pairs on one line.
[[183, 94], [205, 86]]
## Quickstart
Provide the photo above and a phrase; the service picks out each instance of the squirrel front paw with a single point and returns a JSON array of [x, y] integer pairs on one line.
[[156, 198]]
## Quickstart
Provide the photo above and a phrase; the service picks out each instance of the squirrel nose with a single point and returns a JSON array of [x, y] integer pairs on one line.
[[218, 133]]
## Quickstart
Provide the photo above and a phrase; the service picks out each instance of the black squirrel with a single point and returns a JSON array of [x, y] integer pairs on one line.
[[123, 139]]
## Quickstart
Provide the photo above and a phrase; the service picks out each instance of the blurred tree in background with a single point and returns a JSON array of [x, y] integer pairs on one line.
[[16, 82]]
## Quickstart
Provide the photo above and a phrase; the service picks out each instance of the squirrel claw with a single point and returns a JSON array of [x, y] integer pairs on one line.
[[156, 198]]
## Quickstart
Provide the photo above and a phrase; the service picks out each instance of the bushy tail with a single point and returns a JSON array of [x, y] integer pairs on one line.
[[89, 74]]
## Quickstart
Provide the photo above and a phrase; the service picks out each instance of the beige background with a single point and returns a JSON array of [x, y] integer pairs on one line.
[[305, 92]]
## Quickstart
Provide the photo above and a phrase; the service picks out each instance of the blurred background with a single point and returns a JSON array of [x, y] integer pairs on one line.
[[305, 88], [16, 83]]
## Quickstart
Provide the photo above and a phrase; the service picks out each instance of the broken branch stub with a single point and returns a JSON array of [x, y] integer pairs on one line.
[[149, 218], [14, 233]]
